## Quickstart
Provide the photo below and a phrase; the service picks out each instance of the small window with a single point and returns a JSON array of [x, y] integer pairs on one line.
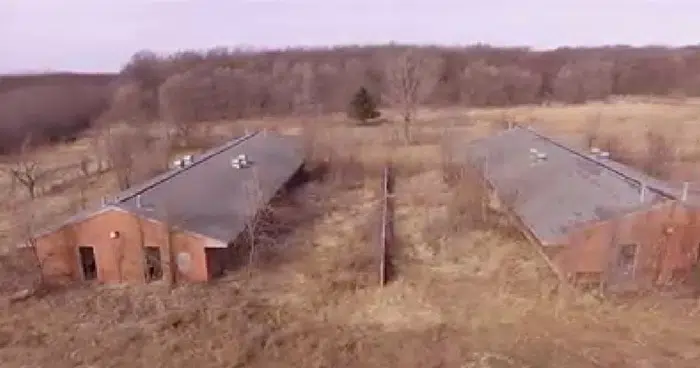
[[588, 280], [153, 264], [627, 256]]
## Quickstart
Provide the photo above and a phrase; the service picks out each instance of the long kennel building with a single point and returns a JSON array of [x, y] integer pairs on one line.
[[596, 220], [189, 215]]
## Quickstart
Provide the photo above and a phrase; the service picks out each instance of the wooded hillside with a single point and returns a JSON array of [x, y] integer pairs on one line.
[[230, 84]]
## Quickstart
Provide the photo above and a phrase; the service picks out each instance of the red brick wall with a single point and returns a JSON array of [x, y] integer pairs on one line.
[[118, 260], [593, 248]]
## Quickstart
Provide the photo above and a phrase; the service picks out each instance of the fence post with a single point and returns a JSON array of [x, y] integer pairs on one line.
[[386, 234]]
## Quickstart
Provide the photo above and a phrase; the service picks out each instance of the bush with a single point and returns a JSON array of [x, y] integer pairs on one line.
[[363, 106]]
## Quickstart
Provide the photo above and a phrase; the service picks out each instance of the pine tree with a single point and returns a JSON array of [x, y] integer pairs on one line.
[[363, 106]]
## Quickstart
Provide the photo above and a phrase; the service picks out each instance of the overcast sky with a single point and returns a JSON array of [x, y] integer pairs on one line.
[[100, 35]]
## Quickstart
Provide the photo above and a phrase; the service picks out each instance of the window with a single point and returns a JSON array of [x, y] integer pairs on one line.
[[588, 280], [679, 275], [153, 264], [626, 257], [88, 263]]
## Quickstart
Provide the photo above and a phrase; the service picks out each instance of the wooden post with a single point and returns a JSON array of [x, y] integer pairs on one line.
[[386, 233]]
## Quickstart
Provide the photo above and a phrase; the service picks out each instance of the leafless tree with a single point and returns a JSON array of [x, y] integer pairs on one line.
[[584, 80], [304, 97], [84, 180], [660, 155], [125, 147], [161, 147], [176, 110], [592, 132], [26, 170], [410, 79], [25, 225], [263, 227], [227, 84], [483, 84]]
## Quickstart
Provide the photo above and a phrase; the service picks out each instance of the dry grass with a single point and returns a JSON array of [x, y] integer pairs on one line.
[[463, 297]]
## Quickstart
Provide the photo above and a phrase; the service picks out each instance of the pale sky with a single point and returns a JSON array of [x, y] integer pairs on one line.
[[100, 35]]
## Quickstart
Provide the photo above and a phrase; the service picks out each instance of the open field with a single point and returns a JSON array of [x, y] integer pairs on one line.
[[463, 297]]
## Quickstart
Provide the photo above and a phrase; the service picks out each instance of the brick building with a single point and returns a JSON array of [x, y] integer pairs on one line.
[[594, 219], [187, 218]]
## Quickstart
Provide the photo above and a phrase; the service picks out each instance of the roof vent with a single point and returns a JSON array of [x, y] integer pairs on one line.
[[642, 192], [178, 164], [187, 160], [241, 161], [537, 156], [595, 150]]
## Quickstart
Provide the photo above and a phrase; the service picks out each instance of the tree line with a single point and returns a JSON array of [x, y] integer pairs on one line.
[[217, 84]]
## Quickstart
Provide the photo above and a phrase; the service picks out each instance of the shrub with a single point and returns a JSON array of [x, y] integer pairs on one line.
[[363, 106]]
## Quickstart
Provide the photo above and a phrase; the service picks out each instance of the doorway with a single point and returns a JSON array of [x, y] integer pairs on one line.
[[624, 266], [153, 264], [88, 263]]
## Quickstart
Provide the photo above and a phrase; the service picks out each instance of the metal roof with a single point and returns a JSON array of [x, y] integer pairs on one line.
[[210, 197], [563, 189]]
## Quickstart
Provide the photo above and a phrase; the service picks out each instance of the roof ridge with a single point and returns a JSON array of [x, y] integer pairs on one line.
[[599, 163], [131, 193]]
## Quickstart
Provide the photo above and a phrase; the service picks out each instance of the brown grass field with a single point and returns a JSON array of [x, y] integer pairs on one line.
[[462, 297]]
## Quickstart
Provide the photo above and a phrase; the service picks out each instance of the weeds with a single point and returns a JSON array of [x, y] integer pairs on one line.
[[485, 298]]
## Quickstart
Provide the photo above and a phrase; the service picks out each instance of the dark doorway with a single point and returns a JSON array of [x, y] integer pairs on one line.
[[626, 259], [154, 266], [88, 263], [626, 262]]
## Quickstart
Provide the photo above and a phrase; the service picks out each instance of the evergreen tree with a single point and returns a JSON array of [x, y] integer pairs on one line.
[[363, 106]]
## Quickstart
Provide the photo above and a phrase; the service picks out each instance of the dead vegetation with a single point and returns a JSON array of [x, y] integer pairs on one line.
[[467, 292], [232, 84]]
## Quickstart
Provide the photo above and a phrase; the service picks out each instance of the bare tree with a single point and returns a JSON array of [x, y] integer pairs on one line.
[[410, 79], [122, 148], [171, 224], [26, 170], [84, 180], [592, 134], [263, 226], [482, 84], [660, 155], [25, 225], [304, 97], [178, 107], [97, 143], [584, 80]]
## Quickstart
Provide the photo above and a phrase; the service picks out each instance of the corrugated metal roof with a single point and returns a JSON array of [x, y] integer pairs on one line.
[[568, 188], [209, 197]]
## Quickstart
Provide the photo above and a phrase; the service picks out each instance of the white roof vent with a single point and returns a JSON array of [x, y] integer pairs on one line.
[[187, 160], [178, 164], [595, 150], [541, 156], [241, 161]]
